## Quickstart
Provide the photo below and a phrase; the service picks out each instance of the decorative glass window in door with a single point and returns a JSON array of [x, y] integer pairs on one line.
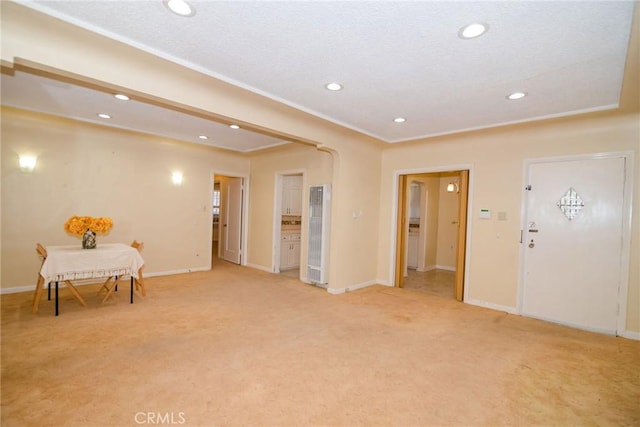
[[570, 204]]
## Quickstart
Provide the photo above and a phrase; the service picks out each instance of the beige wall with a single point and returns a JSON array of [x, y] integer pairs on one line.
[[92, 170], [317, 167], [31, 39], [354, 217], [447, 225], [497, 157], [362, 169]]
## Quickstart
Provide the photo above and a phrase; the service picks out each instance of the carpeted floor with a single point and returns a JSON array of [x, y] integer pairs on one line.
[[241, 347]]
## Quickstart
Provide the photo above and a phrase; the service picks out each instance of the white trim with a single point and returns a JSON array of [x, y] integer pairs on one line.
[[212, 188], [572, 325], [507, 123], [632, 335], [445, 267], [277, 214], [338, 291], [492, 306], [394, 216], [244, 226], [627, 212], [277, 226], [626, 227], [179, 271], [259, 267], [18, 289], [200, 69], [84, 282]]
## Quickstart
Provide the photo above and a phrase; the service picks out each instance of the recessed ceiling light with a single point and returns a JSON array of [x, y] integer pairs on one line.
[[180, 7], [333, 87], [104, 116], [234, 126], [121, 97], [203, 137], [472, 31], [516, 95], [399, 120]]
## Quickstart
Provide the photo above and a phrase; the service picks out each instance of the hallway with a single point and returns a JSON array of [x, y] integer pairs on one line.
[[434, 282]]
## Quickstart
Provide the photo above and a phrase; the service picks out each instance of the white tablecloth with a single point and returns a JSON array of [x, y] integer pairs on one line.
[[75, 263]]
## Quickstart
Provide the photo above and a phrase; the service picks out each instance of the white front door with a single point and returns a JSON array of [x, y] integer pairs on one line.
[[231, 227], [573, 242]]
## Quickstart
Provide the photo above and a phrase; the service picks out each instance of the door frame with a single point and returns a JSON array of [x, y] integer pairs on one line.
[[396, 237], [277, 222], [244, 223], [627, 204]]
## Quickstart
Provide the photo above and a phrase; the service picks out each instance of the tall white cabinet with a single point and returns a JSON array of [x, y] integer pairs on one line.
[[292, 195]]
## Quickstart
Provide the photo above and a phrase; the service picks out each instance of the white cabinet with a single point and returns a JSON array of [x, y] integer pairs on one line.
[[292, 195], [290, 251], [414, 200]]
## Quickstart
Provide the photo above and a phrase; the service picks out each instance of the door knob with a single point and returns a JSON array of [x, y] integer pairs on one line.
[[531, 244]]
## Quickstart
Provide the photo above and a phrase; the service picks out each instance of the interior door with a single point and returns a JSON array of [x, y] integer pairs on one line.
[[463, 200], [573, 242], [231, 227], [401, 233]]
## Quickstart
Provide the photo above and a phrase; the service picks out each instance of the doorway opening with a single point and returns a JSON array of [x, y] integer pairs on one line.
[[288, 223], [431, 232], [227, 212]]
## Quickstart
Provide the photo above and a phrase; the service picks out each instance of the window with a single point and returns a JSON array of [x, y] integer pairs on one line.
[[216, 203]]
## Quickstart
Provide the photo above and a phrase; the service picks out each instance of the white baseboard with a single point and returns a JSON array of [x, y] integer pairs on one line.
[[32, 288], [492, 306], [338, 291], [84, 282], [384, 283], [446, 267], [18, 289], [259, 267], [172, 272], [632, 335]]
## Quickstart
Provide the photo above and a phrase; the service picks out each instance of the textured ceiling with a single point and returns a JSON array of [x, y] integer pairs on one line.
[[46, 95], [393, 58]]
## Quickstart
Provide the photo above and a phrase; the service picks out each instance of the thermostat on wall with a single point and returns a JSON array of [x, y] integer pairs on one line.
[[485, 214]]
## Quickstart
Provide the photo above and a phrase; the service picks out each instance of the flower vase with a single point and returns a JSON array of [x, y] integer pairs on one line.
[[89, 240]]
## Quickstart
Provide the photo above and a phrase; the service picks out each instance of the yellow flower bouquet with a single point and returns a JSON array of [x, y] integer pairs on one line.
[[79, 225]]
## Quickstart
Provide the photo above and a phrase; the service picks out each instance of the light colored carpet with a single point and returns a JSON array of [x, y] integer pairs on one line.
[[241, 347]]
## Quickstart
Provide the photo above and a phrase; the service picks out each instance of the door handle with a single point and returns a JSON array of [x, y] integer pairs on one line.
[[531, 244]]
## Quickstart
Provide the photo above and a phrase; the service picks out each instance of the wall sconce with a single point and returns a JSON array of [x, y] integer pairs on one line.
[[27, 163], [176, 178], [452, 187]]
